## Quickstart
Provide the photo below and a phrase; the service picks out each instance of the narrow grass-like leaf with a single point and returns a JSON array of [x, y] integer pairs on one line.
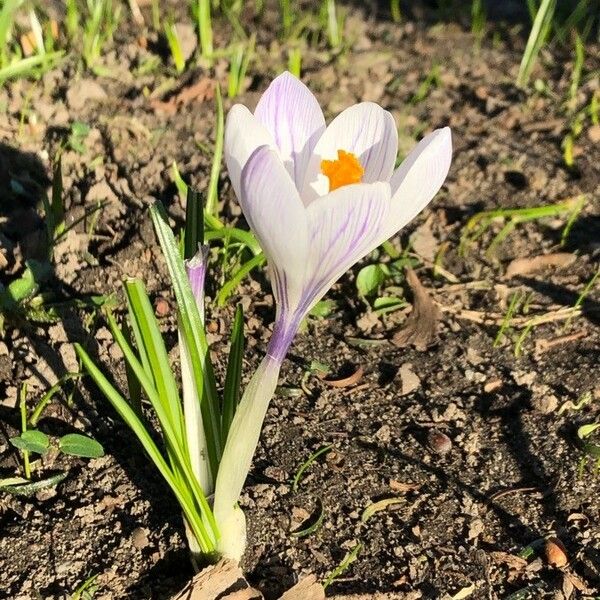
[[343, 566], [28, 66], [47, 397], [313, 522], [212, 193], [378, 506], [192, 329], [229, 234], [234, 281], [134, 387], [154, 345], [231, 391], [305, 465], [205, 28], [539, 33], [174, 42], [205, 540], [182, 471], [194, 223], [28, 489]]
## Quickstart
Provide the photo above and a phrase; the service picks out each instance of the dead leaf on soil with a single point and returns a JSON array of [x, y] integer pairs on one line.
[[352, 379], [215, 581], [511, 560], [423, 241], [523, 266], [306, 589], [421, 325], [400, 486], [197, 91], [225, 581]]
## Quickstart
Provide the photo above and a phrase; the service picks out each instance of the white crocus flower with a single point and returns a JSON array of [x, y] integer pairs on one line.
[[318, 198]]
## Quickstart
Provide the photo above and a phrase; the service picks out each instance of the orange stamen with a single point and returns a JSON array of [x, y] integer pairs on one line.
[[346, 169]]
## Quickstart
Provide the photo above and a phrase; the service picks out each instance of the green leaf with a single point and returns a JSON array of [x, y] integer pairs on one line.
[[32, 440], [76, 444], [369, 279], [230, 286], [145, 322], [323, 308], [192, 330], [182, 493], [212, 193], [194, 223], [231, 392], [587, 430], [30, 488]]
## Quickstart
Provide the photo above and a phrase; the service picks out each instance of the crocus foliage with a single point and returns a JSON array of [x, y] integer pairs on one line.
[[318, 198]]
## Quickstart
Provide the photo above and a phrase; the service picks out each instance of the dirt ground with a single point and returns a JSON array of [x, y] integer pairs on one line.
[[468, 505]]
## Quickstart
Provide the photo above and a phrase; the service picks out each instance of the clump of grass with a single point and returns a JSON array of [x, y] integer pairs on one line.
[[479, 223]]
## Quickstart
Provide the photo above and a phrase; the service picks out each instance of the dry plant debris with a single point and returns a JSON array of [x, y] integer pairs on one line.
[[421, 325], [225, 581]]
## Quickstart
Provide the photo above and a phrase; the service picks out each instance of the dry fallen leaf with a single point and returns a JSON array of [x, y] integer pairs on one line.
[[352, 379], [420, 327], [523, 266], [511, 560], [400, 486], [225, 581], [215, 581], [555, 553], [306, 589], [197, 91]]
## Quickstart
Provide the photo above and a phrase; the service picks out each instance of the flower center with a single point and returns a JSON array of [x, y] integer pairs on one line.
[[346, 169]]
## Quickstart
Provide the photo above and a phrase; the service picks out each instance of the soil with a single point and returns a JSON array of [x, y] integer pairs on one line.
[[507, 474]]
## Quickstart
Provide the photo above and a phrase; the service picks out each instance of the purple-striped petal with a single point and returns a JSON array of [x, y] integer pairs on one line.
[[275, 213], [243, 135], [292, 115], [366, 130], [343, 226], [419, 178]]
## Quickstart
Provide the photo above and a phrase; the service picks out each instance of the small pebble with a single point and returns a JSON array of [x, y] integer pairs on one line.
[[139, 538], [439, 442], [161, 307]]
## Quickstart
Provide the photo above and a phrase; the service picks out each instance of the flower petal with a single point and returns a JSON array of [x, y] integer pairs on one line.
[[418, 179], [366, 130], [275, 213], [292, 115], [243, 135], [343, 226]]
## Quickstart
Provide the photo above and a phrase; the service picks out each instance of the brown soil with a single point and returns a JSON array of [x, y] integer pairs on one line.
[[510, 476]]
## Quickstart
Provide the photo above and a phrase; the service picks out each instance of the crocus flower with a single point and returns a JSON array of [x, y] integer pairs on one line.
[[318, 198]]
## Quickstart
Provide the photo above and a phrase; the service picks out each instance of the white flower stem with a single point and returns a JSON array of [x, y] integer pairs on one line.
[[242, 440]]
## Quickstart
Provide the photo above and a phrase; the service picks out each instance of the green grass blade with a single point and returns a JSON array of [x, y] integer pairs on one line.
[[194, 223], [231, 391], [154, 345], [539, 32], [182, 471], [131, 419], [192, 329], [205, 28], [237, 277], [229, 234], [27, 66], [134, 387], [212, 193]]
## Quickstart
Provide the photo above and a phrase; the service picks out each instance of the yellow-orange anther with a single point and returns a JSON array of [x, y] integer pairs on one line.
[[344, 170]]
